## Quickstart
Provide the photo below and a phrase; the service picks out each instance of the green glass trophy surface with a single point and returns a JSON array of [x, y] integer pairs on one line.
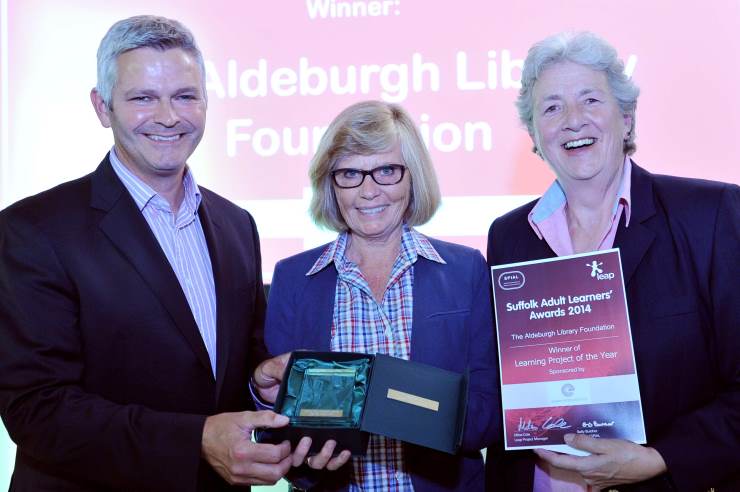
[[324, 393], [349, 396]]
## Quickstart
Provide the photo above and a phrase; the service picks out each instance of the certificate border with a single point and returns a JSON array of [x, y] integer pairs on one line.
[[564, 448]]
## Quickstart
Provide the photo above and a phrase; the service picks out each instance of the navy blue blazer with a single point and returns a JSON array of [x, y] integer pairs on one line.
[[452, 328], [105, 381], [681, 262]]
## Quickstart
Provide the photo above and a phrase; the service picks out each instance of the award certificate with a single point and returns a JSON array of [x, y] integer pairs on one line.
[[565, 351]]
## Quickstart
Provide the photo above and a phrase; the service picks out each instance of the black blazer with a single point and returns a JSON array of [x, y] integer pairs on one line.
[[681, 261], [105, 382]]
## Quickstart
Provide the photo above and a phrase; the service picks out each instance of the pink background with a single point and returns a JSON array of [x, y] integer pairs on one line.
[[687, 65]]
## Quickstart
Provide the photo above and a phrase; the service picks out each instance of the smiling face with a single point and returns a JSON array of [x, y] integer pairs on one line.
[[578, 126], [157, 113], [374, 211]]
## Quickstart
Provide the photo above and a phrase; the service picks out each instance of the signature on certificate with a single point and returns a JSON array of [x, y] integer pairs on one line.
[[558, 423], [551, 423], [526, 425]]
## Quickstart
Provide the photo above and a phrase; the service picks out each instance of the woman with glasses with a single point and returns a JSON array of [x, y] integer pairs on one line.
[[382, 287]]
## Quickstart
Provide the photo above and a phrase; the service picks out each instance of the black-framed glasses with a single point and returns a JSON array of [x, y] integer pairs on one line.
[[385, 175]]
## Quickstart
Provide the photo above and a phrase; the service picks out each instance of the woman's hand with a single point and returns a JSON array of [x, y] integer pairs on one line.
[[612, 462], [268, 376], [322, 460]]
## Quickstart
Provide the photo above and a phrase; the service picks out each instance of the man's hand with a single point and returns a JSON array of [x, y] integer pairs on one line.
[[268, 375], [228, 448], [612, 462]]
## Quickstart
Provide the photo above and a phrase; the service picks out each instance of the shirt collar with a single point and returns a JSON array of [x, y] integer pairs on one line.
[[143, 194], [554, 199], [413, 245]]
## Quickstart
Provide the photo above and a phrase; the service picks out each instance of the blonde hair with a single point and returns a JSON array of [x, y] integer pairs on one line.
[[367, 128]]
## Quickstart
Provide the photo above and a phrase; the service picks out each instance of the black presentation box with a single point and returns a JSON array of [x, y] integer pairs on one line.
[[404, 400]]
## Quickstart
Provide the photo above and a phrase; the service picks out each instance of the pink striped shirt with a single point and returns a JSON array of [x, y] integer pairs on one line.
[[183, 242]]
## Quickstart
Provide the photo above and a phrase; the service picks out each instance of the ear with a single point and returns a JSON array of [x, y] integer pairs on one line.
[[101, 109], [627, 126], [535, 147]]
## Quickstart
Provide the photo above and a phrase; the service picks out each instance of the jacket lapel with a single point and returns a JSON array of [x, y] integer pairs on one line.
[[129, 232], [224, 295], [317, 319], [535, 249], [634, 241], [425, 289]]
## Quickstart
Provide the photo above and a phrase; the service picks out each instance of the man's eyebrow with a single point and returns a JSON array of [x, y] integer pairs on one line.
[[145, 92], [190, 88]]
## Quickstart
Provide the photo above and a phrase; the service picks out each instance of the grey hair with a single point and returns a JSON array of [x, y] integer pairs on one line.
[[586, 49], [141, 31], [367, 128]]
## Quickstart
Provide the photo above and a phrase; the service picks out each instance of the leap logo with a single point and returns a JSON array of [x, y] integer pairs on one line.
[[597, 272]]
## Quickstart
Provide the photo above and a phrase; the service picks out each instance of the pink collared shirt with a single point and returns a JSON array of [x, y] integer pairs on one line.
[[549, 222]]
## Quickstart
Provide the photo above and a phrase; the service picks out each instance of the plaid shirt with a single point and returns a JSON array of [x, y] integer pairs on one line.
[[361, 324]]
